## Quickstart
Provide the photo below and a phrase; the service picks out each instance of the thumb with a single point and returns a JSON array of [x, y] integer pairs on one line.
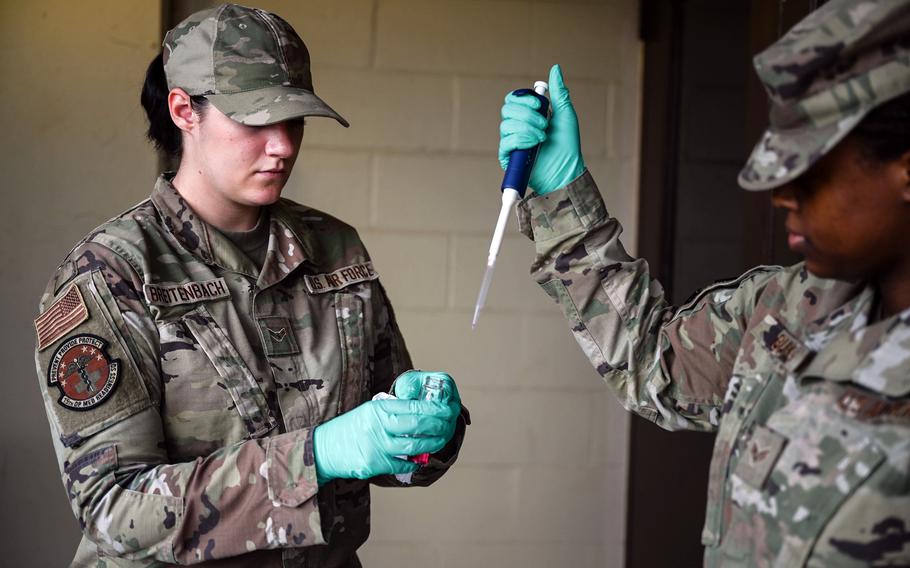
[[408, 384], [559, 94]]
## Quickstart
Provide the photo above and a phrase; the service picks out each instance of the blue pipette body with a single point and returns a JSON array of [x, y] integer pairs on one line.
[[514, 185], [522, 161]]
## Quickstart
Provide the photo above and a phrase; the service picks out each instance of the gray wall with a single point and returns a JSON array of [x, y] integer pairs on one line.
[[72, 154], [541, 481]]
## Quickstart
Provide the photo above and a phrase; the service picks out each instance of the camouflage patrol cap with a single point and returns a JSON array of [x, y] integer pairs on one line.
[[823, 77], [249, 63]]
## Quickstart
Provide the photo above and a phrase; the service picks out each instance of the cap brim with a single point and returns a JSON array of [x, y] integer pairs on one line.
[[273, 104], [783, 155]]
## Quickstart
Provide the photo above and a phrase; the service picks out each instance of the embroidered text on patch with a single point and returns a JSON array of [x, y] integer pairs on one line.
[[83, 371], [321, 283], [62, 316], [189, 293]]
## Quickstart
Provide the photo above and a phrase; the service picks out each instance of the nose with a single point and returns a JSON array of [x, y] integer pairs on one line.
[[784, 197], [282, 140]]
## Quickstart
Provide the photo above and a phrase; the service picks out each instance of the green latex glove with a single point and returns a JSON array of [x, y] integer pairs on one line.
[[408, 384], [559, 159], [363, 443]]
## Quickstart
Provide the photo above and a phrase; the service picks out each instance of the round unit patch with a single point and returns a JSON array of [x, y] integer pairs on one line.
[[83, 371]]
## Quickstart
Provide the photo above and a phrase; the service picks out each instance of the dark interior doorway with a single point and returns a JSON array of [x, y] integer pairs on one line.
[[703, 109]]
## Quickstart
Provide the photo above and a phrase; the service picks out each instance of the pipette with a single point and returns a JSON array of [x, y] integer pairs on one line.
[[514, 184]]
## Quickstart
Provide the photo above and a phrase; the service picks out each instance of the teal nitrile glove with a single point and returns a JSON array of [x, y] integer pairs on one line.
[[363, 443], [408, 384], [559, 159]]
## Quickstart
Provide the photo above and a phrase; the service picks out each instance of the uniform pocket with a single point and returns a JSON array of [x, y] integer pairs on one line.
[[140, 526], [822, 459], [350, 316], [235, 377], [754, 391]]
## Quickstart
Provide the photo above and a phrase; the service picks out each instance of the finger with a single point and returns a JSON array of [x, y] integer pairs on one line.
[[418, 425], [526, 99], [512, 142], [397, 465], [407, 385], [397, 406], [559, 93], [525, 115], [521, 140], [414, 446]]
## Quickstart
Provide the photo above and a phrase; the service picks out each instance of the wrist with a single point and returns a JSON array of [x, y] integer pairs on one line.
[[573, 173], [569, 171], [321, 457]]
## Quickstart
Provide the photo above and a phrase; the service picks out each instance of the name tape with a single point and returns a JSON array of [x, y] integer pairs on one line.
[[322, 283], [191, 292]]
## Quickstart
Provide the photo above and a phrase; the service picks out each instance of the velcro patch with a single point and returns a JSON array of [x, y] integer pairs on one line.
[[189, 293], [783, 345], [61, 317], [861, 406], [759, 456], [83, 371], [322, 283]]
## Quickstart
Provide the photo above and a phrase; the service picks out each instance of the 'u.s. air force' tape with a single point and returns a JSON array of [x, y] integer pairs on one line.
[[191, 292], [321, 283]]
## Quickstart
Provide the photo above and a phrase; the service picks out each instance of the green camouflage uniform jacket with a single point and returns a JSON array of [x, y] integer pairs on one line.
[[183, 385], [810, 401]]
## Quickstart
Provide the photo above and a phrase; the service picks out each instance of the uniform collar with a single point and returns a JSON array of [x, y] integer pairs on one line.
[[850, 348], [287, 250]]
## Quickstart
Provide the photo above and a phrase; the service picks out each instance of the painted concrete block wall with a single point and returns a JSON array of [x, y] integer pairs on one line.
[[541, 480], [72, 153]]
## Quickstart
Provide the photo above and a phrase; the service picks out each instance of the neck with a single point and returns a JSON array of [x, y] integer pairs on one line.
[[211, 206], [894, 289]]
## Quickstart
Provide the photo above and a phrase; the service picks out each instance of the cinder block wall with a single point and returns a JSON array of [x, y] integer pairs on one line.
[[72, 154], [542, 478]]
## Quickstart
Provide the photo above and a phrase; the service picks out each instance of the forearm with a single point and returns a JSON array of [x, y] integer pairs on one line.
[[255, 495], [642, 347]]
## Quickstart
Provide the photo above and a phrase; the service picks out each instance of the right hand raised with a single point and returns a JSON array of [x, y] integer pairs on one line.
[[363, 443], [559, 159]]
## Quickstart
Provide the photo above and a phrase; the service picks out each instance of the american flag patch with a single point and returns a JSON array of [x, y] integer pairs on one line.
[[63, 315]]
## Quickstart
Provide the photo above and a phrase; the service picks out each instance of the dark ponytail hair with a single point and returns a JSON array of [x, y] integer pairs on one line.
[[884, 133], [162, 131]]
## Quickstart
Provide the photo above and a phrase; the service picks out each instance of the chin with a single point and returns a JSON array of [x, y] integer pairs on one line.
[[265, 196], [821, 270]]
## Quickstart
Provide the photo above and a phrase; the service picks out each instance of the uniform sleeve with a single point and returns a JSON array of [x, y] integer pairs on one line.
[[391, 358], [97, 368], [669, 365]]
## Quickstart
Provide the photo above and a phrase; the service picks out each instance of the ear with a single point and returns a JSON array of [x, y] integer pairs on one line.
[[903, 165], [181, 108]]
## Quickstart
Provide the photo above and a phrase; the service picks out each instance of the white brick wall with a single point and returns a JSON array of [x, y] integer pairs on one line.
[[541, 481]]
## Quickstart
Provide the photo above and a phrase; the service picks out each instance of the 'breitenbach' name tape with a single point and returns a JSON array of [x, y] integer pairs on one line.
[[177, 294]]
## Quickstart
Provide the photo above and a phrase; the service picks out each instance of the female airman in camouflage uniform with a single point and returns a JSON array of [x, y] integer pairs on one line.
[[207, 358], [803, 372]]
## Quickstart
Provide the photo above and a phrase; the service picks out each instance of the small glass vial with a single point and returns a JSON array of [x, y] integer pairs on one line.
[[432, 389]]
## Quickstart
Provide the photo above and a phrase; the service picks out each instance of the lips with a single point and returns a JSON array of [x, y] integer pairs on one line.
[[796, 240]]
